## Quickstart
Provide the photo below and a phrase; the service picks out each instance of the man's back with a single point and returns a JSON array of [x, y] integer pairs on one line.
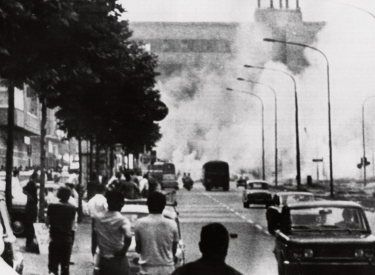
[[61, 217], [129, 189], [156, 235], [110, 229]]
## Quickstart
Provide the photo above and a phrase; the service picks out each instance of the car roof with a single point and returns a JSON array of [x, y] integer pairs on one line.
[[143, 209], [257, 181], [323, 204], [294, 193]]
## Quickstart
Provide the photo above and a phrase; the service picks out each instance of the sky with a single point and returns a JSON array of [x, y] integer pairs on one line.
[[226, 10]]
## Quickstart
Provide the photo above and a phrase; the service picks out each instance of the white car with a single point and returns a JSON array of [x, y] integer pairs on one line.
[[135, 209]]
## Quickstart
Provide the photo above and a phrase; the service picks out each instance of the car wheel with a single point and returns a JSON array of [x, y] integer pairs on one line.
[[246, 204], [18, 227], [208, 188]]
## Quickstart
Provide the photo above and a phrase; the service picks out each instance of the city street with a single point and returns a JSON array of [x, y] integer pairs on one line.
[[250, 252]]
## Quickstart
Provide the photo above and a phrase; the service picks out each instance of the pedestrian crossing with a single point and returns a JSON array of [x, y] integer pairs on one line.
[[207, 213]]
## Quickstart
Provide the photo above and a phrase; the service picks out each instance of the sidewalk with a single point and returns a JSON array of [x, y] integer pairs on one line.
[[36, 264]]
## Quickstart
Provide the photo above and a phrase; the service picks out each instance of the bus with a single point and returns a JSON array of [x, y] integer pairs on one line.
[[215, 174], [165, 173]]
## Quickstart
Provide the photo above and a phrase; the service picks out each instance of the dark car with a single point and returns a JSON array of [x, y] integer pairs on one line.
[[256, 192], [242, 180], [323, 237]]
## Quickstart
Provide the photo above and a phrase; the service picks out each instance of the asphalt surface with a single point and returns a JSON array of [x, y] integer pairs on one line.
[[251, 251]]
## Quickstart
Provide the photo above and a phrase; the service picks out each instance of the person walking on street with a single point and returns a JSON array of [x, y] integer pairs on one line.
[[214, 247], [143, 186], [60, 218], [156, 238], [153, 185], [73, 200], [97, 207], [129, 188], [30, 190], [115, 183], [113, 234]]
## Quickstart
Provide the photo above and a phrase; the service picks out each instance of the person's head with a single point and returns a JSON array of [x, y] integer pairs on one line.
[[100, 189], [34, 176], [132, 172], [214, 241], [128, 177], [115, 200], [156, 202], [184, 174], [16, 173], [347, 214], [64, 194], [145, 176], [118, 175]]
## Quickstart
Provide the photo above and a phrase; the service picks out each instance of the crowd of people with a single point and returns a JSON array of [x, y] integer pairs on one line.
[[156, 237]]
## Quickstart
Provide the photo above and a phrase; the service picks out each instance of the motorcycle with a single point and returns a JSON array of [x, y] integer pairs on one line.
[[188, 183]]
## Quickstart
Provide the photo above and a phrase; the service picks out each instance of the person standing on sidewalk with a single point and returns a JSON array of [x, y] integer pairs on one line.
[[156, 238], [60, 218], [97, 207], [113, 234], [129, 188], [30, 190]]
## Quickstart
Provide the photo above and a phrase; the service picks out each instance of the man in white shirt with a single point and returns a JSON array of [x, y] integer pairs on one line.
[[143, 186], [97, 207], [156, 238]]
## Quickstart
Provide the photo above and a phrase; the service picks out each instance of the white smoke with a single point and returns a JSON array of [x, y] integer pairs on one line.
[[211, 123]]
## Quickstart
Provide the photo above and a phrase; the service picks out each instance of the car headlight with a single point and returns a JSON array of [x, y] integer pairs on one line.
[[364, 253], [359, 253], [308, 253], [301, 253]]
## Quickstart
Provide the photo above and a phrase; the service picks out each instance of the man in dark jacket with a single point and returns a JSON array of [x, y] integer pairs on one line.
[[30, 190], [214, 246], [60, 217]]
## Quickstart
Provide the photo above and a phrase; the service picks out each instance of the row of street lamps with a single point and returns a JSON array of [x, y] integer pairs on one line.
[[298, 162]]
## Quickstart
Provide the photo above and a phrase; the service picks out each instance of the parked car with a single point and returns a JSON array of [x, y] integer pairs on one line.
[[256, 192], [242, 179], [10, 255], [323, 237], [135, 209]]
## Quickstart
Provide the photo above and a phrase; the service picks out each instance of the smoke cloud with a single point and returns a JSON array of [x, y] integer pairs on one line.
[[206, 122]]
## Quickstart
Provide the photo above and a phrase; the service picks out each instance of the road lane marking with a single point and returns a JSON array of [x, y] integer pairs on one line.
[[258, 226], [250, 221]]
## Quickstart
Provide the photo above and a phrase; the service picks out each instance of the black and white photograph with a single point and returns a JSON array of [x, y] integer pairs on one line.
[[187, 137]]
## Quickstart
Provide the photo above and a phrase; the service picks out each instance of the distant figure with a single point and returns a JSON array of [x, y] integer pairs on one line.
[[143, 186], [348, 221], [114, 184], [129, 188], [153, 185], [30, 190], [156, 238], [60, 217], [214, 247]]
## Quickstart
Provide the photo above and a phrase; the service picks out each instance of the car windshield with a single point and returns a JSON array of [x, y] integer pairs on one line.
[[328, 218], [292, 198], [257, 185]]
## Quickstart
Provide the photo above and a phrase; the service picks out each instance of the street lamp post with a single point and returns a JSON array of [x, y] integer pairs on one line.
[[298, 158], [329, 101], [274, 93], [364, 139], [261, 101]]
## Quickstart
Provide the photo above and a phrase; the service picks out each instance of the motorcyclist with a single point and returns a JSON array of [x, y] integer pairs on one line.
[[188, 183]]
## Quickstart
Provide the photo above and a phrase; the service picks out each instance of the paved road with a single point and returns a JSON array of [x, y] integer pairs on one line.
[[251, 252]]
